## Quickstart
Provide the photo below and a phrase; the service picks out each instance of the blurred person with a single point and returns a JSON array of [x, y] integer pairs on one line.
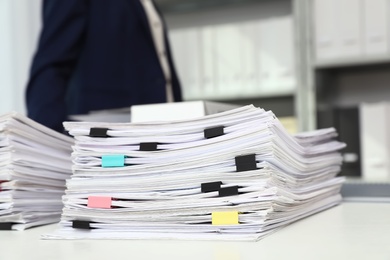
[[99, 54]]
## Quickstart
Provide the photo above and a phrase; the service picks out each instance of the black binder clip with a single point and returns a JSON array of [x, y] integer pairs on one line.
[[246, 163], [228, 191], [210, 186], [148, 146], [98, 132], [81, 224], [213, 132], [6, 226]]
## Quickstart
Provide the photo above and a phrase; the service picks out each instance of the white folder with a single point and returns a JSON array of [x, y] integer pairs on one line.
[[375, 141], [192, 62], [228, 58], [325, 22], [186, 50], [178, 53], [276, 56], [376, 27], [348, 28], [208, 65], [250, 45]]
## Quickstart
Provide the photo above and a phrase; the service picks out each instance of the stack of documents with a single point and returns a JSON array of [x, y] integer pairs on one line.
[[34, 163], [235, 175]]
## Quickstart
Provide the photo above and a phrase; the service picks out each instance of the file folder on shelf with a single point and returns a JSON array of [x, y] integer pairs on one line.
[[375, 141]]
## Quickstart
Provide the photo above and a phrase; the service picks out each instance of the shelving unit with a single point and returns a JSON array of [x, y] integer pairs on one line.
[[180, 6], [297, 101], [351, 62], [310, 72], [351, 54], [339, 79]]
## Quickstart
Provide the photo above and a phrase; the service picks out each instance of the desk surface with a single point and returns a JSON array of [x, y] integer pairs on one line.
[[348, 231]]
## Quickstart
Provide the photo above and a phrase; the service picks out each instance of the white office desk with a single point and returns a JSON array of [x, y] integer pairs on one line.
[[349, 231]]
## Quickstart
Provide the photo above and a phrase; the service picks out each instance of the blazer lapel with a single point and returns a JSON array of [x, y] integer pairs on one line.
[[142, 14], [160, 14]]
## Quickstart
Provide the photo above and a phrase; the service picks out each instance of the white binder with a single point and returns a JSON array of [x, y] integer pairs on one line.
[[375, 141], [348, 27], [338, 29], [376, 27], [228, 57], [178, 53], [192, 63], [208, 65], [325, 22], [186, 52], [250, 44], [276, 56]]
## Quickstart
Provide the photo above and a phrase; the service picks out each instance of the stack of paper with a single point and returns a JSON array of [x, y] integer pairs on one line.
[[235, 175], [34, 163]]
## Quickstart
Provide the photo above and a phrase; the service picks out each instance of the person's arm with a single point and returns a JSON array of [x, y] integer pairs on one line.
[[60, 44]]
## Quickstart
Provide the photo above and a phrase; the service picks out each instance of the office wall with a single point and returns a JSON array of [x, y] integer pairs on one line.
[[19, 28]]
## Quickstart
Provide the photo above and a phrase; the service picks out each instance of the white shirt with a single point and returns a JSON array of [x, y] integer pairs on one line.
[[157, 29]]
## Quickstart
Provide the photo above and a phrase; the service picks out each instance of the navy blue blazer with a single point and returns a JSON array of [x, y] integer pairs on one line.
[[93, 55]]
